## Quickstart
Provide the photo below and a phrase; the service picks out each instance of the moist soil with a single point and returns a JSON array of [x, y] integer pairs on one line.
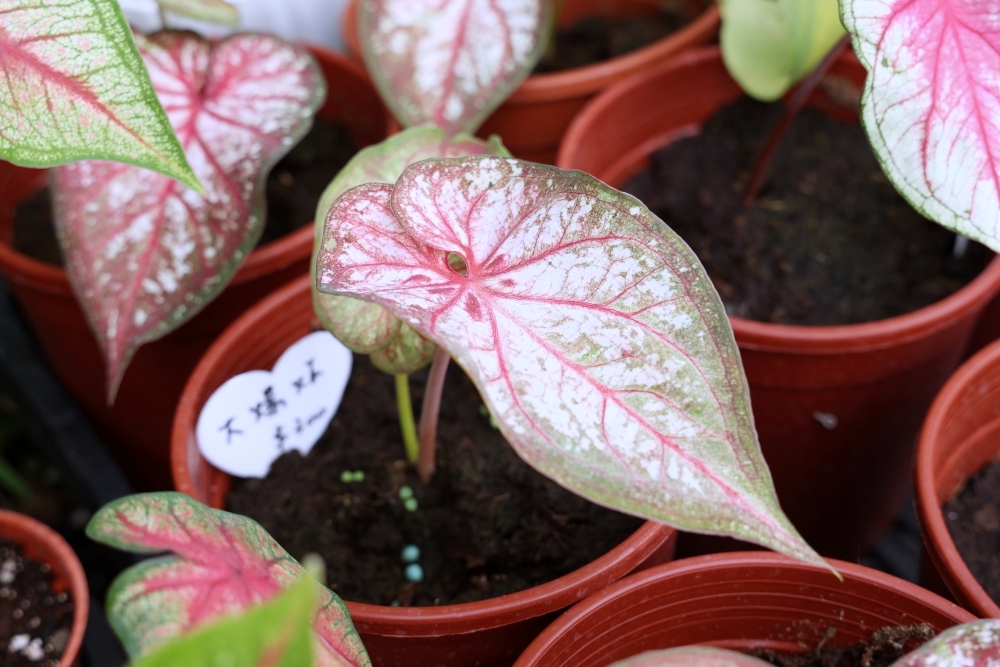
[[294, 188], [829, 241], [884, 647], [598, 38], [973, 518], [35, 621], [486, 525]]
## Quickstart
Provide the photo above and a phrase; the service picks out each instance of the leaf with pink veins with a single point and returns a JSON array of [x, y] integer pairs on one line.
[[220, 564], [145, 253], [74, 88], [975, 644], [591, 330], [451, 62], [691, 656], [931, 105]]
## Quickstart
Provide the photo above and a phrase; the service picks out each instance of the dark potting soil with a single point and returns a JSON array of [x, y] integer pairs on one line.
[[35, 621], [294, 187], [884, 647], [599, 38], [973, 518], [829, 241], [486, 525]]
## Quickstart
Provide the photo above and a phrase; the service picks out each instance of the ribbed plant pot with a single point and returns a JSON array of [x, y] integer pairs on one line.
[[44, 545], [961, 435], [739, 601], [489, 632], [841, 487], [137, 427], [534, 118]]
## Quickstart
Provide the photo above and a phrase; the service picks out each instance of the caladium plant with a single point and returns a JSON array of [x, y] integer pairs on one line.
[[451, 62], [210, 11], [145, 253], [590, 329], [75, 88], [220, 564], [931, 105], [691, 656]]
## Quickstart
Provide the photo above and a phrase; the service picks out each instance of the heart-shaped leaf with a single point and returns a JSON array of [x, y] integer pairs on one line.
[[145, 253], [212, 11], [931, 105], [74, 88], [768, 45], [275, 634], [691, 656], [222, 564], [364, 327], [450, 62], [975, 644], [594, 335]]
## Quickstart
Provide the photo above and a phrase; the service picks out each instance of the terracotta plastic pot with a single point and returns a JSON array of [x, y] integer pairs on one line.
[[738, 601], [533, 119], [841, 487], [137, 427], [490, 632], [42, 544], [960, 436]]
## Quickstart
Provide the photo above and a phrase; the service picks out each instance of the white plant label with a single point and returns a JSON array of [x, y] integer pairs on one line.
[[257, 416]]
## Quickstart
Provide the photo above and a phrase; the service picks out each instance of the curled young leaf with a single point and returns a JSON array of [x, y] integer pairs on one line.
[[211, 11], [451, 62], [768, 45], [591, 330], [274, 634], [975, 644], [145, 253], [366, 327], [74, 88], [931, 105], [691, 656], [221, 564]]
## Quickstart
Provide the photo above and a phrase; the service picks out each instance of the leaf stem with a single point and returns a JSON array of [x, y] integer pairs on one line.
[[14, 482], [429, 413], [406, 422], [792, 108]]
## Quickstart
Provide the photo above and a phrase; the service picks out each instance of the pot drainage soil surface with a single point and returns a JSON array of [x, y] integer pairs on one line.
[[885, 646], [35, 621], [294, 187], [829, 241], [973, 518], [486, 525], [598, 38]]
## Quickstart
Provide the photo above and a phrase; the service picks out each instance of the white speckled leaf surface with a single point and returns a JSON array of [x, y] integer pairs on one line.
[[591, 330], [931, 104], [145, 253], [975, 644]]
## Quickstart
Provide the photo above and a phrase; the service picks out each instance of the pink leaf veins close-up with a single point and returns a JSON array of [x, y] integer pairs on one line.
[[451, 62], [591, 330], [145, 253], [221, 564], [931, 104]]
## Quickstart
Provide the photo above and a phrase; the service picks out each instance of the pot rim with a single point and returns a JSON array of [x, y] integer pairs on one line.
[[940, 547], [418, 621], [738, 560], [811, 340], [585, 80], [23, 530]]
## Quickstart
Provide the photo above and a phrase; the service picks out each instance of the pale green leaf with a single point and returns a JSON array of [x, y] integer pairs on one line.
[[212, 11]]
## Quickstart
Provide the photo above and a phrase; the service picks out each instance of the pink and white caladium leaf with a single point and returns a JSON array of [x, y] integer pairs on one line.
[[221, 564], [591, 330], [143, 252], [368, 328], [74, 88], [691, 656], [211, 11], [931, 105], [451, 62], [975, 644]]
